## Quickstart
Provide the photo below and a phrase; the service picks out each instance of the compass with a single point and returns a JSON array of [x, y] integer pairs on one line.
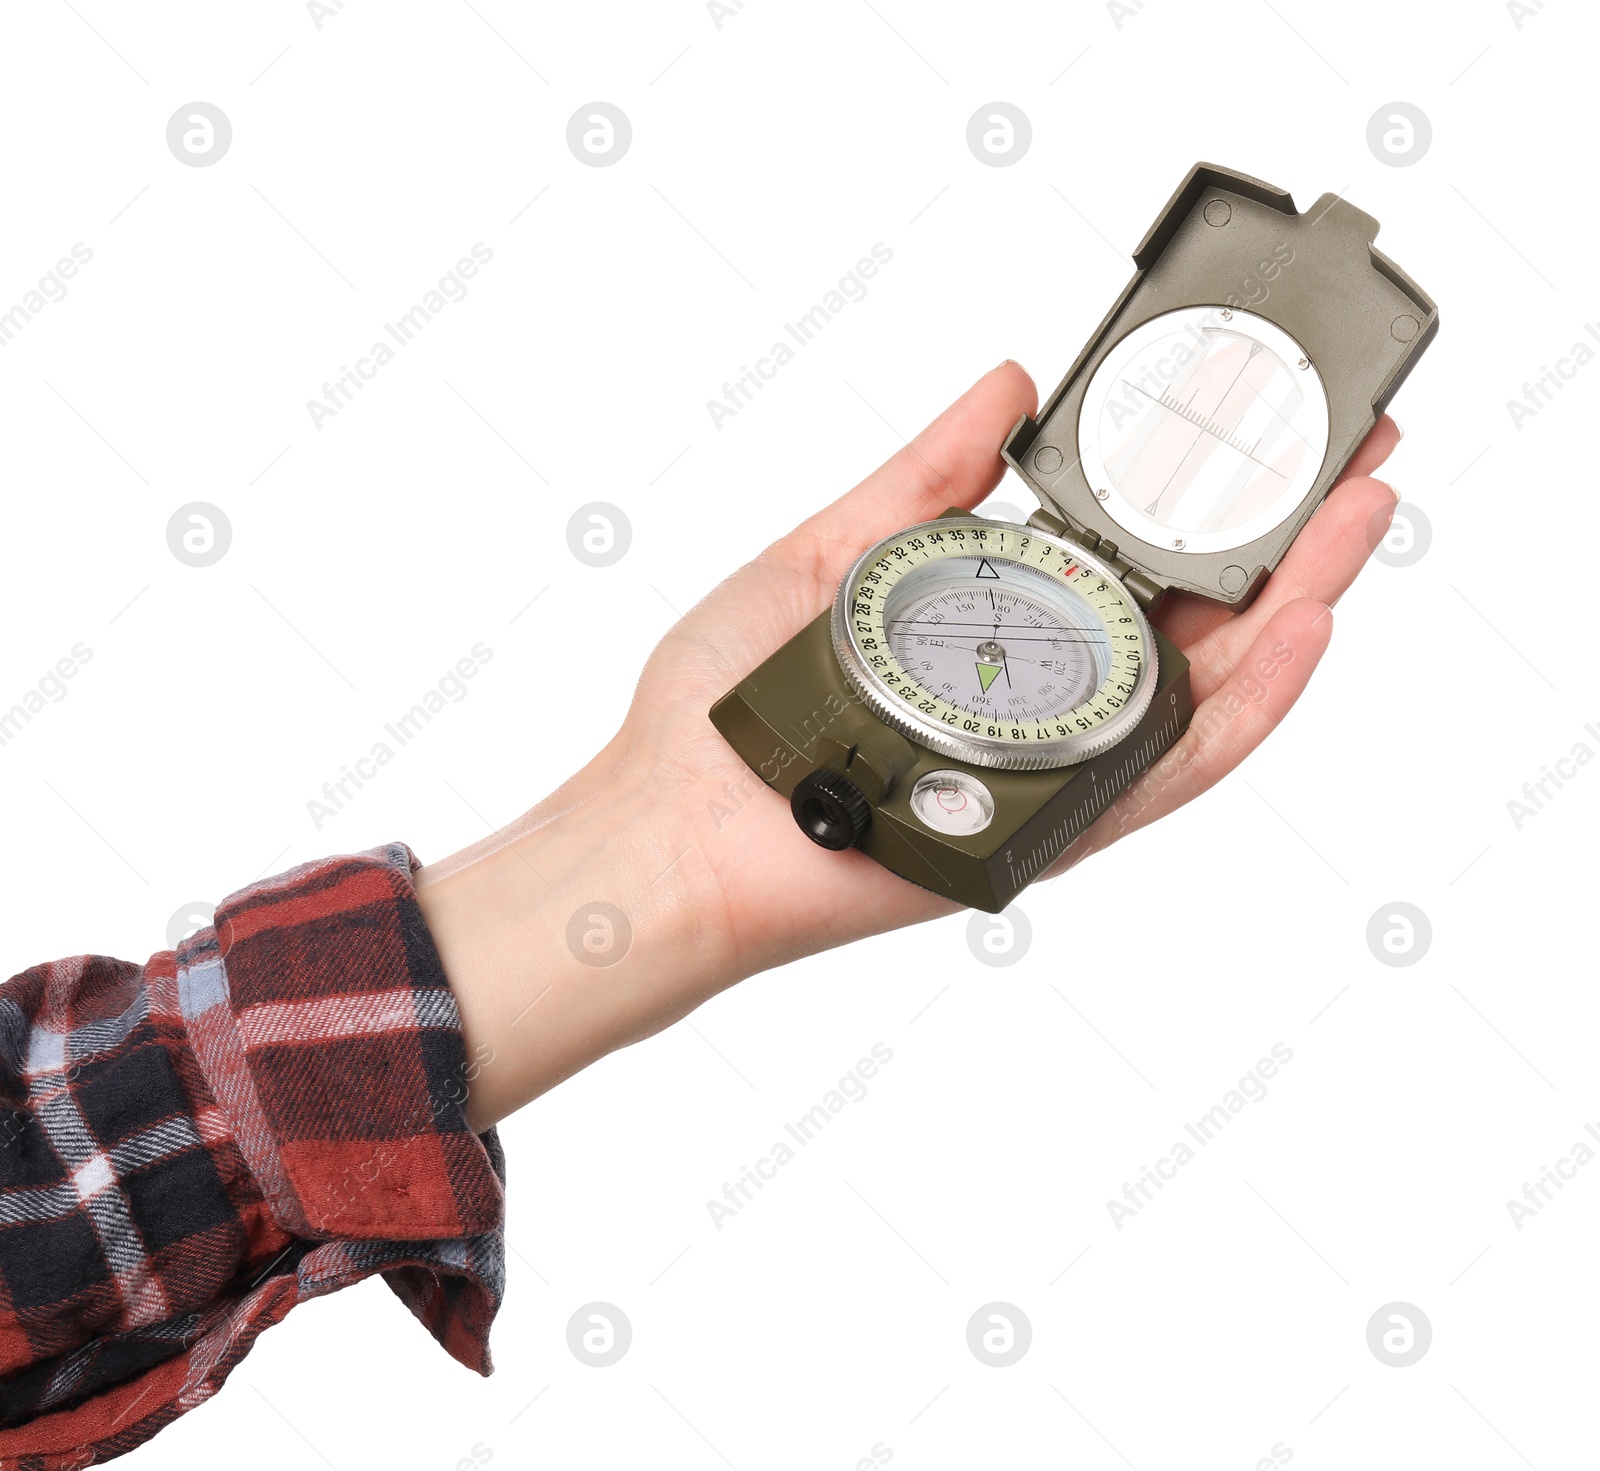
[[981, 690]]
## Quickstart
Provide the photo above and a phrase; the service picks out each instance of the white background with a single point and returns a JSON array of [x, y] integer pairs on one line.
[[768, 155]]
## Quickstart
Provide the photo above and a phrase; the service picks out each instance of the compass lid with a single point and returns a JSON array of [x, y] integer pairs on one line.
[[1228, 387]]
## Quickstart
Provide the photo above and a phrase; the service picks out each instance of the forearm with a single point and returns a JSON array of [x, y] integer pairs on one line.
[[546, 980]]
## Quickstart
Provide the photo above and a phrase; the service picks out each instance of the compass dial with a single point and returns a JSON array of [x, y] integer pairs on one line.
[[1203, 429], [994, 643]]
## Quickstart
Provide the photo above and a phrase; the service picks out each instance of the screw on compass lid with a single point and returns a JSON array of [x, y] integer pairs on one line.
[[829, 809]]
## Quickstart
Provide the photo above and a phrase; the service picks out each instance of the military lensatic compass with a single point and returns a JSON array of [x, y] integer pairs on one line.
[[980, 690]]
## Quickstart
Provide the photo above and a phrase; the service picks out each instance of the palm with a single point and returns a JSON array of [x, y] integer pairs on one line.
[[781, 892]]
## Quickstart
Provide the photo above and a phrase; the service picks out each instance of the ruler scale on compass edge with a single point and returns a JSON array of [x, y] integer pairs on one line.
[[981, 691]]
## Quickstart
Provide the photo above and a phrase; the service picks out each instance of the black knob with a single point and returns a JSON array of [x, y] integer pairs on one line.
[[829, 809]]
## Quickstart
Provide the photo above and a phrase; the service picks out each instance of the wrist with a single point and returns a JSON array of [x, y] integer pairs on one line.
[[590, 922]]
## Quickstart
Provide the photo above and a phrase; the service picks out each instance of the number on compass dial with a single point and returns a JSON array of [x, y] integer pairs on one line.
[[994, 643], [1203, 428]]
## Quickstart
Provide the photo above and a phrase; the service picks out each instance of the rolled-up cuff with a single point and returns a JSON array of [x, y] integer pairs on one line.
[[327, 1031], [320, 1049]]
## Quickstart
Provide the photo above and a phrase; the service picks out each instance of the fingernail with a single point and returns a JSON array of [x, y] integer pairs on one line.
[[1008, 362], [1400, 431], [1392, 491]]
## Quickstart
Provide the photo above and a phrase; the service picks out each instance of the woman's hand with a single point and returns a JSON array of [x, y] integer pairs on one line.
[[670, 829]]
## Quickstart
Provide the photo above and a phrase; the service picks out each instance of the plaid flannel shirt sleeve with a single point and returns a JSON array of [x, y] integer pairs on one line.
[[191, 1147]]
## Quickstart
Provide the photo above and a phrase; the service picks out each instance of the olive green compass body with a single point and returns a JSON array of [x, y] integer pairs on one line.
[[980, 691]]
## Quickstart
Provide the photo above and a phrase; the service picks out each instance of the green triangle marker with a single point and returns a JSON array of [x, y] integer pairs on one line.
[[987, 673]]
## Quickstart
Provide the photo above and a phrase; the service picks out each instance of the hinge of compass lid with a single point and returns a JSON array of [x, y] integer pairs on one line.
[[1145, 589]]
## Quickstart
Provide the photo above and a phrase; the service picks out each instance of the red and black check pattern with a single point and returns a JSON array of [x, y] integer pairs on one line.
[[191, 1147]]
